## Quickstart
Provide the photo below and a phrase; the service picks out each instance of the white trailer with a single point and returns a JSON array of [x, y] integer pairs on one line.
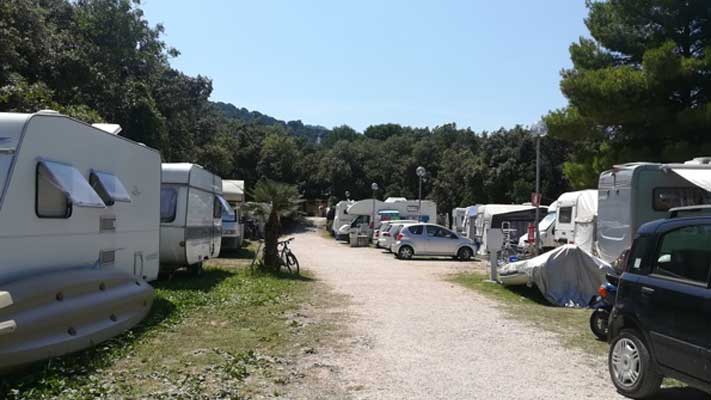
[[459, 216], [631, 194], [576, 218], [79, 234], [492, 219], [232, 227], [546, 230], [191, 216]]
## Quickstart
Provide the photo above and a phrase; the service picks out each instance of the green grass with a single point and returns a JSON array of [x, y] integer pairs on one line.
[[527, 304], [205, 337]]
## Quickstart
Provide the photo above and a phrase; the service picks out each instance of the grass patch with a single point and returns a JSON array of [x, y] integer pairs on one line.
[[211, 336], [528, 304]]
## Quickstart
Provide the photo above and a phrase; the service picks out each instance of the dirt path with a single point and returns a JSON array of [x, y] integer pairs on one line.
[[413, 335]]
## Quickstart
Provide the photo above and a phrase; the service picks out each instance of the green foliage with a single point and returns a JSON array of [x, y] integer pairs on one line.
[[639, 89]]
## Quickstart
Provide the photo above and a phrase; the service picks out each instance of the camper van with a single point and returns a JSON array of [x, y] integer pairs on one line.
[[342, 219], [494, 220], [458, 218], [392, 208], [546, 230], [632, 194], [232, 227], [576, 218], [191, 216], [79, 232]]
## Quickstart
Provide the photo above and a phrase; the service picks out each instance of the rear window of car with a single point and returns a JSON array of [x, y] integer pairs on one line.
[[415, 229]]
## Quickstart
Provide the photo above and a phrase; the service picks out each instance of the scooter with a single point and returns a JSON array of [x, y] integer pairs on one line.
[[602, 303]]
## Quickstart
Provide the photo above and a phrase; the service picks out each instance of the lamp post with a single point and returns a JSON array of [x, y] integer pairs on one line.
[[539, 130], [420, 174], [373, 186]]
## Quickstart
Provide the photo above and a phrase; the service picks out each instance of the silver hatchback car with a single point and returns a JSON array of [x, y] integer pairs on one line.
[[432, 240]]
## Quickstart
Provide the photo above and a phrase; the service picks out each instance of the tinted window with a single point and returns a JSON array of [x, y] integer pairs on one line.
[[432, 230], [666, 198], [415, 229], [216, 208], [168, 204], [51, 202], [109, 188], [639, 254], [685, 254], [565, 215], [69, 180]]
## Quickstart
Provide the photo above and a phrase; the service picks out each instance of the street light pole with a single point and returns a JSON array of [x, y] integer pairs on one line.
[[538, 191], [373, 186], [420, 174]]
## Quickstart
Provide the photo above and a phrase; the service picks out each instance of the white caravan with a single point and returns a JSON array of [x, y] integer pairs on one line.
[[470, 222], [79, 232], [342, 219], [631, 194], [362, 210], [232, 227], [492, 219], [191, 216], [576, 218]]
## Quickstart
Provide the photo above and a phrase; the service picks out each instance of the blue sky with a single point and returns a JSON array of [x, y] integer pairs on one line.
[[483, 64]]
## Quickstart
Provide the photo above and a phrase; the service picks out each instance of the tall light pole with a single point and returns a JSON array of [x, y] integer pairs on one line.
[[420, 174], [539, 130], [373, 186]]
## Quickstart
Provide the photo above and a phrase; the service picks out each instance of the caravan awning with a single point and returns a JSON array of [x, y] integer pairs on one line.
[[699, 177]]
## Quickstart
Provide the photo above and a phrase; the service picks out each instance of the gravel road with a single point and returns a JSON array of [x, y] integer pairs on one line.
[[412, 335]]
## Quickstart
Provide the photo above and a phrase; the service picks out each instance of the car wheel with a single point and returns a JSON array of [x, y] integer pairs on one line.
[[598, 323], [405, 253], [631, 367], [464, 254]]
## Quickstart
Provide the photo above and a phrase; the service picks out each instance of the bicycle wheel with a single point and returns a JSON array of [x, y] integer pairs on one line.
[[292, 263]]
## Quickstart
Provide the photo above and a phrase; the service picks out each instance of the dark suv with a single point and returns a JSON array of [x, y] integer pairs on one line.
[[661, 322]]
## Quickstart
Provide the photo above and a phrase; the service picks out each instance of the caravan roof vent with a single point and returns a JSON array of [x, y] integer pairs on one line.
[[113, 129], [48, 111], [699, 161]]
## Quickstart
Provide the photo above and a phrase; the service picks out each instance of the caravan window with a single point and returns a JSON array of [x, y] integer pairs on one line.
[[59, 187], [168, 203], [216, 207], [109, 188], [670, 197], [565, 215]]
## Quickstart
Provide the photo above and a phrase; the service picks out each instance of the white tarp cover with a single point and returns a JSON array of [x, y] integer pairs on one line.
[[699, 177], [567, 276]]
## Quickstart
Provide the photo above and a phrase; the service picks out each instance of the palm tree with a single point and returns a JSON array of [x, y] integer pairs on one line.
[[274, 201]]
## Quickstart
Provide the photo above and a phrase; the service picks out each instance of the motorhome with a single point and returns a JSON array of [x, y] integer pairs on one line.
[[576, 218], [632, 194], [191, 216], [79, 233], [546, 230], [469, 229], [392, 208], [495, 222], [341, 218], [232, 226], [458, 218]]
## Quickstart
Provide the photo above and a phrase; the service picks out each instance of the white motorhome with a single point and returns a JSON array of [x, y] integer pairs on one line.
[[79, 232], [392, 208], [459, 215], [470, 222], [576, 218], [631, 194], [191, 216], [232, 227], [492, 219], [341, 218], [546, 229]]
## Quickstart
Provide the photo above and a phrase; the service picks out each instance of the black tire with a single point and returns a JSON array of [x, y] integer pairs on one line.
[[405, 253], [598, 323], [464, 254], [196, 269], [292, 263], [648, 380]]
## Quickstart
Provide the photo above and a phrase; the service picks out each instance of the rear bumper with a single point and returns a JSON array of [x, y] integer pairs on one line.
[[60, 313]]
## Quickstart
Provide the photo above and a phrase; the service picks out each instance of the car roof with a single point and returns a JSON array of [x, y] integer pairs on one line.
[[666, 224]]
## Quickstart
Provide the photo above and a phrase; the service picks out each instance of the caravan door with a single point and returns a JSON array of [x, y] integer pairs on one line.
[[216, 233]]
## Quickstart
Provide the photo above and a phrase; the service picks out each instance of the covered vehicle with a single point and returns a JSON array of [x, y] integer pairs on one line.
[[493, 220], [546, 230], [567, 276]]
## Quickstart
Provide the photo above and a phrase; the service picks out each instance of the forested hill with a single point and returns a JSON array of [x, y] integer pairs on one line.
[[312, 133]]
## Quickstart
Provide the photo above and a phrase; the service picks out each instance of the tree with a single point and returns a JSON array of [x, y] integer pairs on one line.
[[639, 89], [278, 200]]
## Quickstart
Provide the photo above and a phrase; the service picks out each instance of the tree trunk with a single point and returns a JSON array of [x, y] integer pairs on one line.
[[271, 238]]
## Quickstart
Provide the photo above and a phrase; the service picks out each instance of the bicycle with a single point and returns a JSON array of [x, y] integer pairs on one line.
[[287, 257]]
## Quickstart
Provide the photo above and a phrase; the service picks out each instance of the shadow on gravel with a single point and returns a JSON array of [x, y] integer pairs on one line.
[[682, 393]]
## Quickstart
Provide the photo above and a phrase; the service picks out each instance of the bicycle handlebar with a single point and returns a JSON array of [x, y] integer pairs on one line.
[[289, 240]]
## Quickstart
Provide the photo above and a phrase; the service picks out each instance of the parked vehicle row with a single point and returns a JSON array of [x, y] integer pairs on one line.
[[87, 219]]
